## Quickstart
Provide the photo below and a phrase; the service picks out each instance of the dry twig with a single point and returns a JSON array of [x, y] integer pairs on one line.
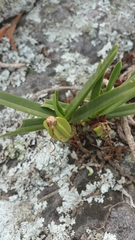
[[130, 139], [116, 166], [48, 195], [12, 65], [131, 121], [127, 73], [2, 197], [121, 133], [44, 91], [131, 203]]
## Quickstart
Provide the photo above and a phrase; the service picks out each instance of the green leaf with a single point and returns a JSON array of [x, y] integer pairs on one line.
[[121, 111], [57, 107], [29, 125], [48, 103], [90, 83], [114, 75], [96, 89], [24, 105], [122, 94], [118, 103], [112, 107]]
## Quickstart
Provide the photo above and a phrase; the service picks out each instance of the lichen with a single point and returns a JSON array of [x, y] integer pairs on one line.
[[70, 69], [101, 23], [10, 8], [55, 165], [109, 236], [83, 19], [15, 149]]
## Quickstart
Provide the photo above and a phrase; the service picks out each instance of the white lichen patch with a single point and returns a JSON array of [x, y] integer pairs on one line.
[[23, 178], [103, 52], [9, 8], [94, 235], [58, 232], [15, 150], [4, 79], [67, 31], [23, 181], [101, 21], [22, 159], [34, 15], [107, 182], [17, 221], [23, 205], [28, 55], [87, 18], [74, 68], [109, 236]]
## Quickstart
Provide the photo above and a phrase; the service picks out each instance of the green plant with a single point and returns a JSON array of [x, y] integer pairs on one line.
[[110, 102]]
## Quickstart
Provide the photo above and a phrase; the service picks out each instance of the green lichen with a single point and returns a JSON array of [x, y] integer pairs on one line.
[[15, 150]]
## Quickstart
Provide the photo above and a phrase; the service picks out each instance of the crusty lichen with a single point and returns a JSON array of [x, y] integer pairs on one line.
[[10, 8], [64, 24]]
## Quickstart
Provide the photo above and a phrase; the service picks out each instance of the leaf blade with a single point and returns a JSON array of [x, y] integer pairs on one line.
[[29, 125], [124, 92], [121, 111], [89, 84], [96, 89], [114, 75], [24, 105], [57, 107]]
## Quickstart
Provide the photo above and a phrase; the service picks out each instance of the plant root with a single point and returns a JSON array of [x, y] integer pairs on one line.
[[122, 173], [49, 195], [131, 203], [44, 91], [129, 137], [12, 65]]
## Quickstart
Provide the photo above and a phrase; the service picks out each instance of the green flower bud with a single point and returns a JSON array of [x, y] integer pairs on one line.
[[58, 128]]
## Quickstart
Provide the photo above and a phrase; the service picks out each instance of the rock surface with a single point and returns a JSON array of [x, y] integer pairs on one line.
[[44, 195]]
